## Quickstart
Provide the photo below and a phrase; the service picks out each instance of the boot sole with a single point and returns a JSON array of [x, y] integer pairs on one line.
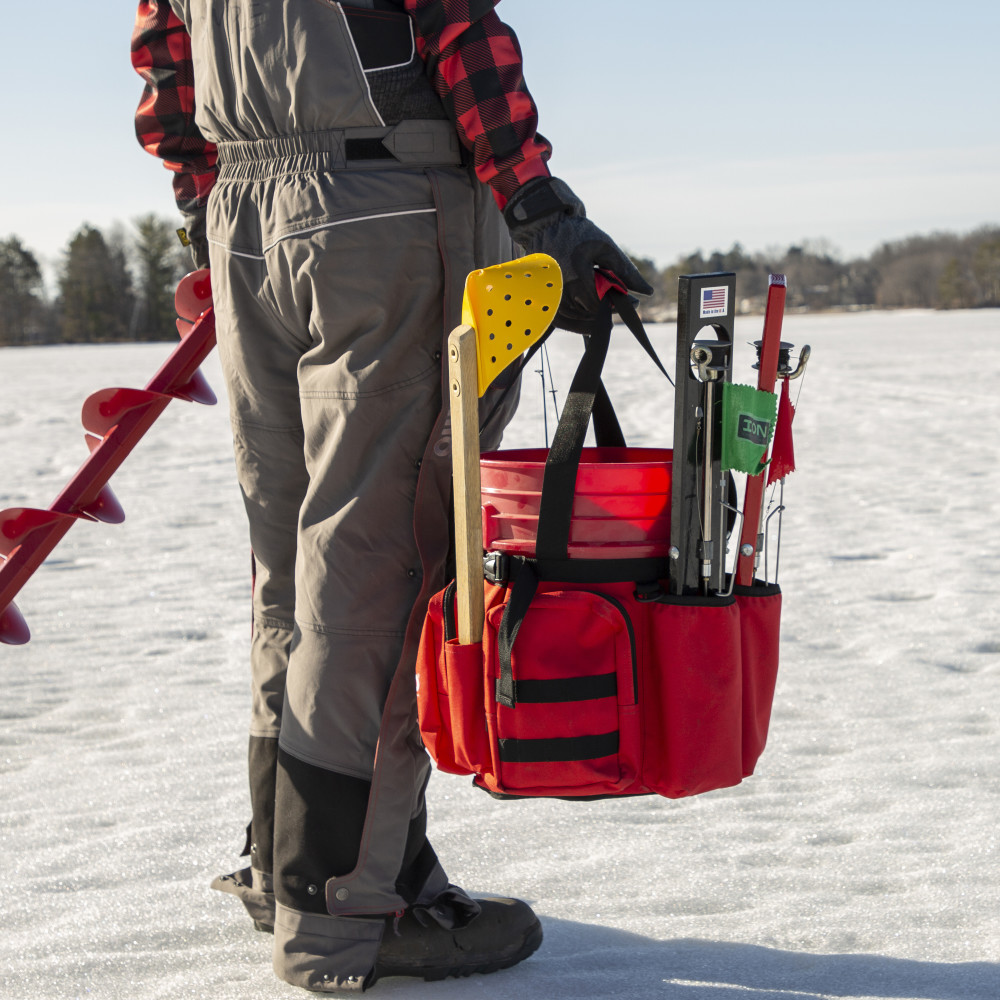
[[435, 974]]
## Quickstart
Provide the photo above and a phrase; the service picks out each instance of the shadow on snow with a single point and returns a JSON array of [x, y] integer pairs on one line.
[[589, 961]]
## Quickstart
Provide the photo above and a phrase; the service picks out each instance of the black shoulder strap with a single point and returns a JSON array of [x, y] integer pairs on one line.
[[521, 596], [587, 396], [626, 310], [559, 481]]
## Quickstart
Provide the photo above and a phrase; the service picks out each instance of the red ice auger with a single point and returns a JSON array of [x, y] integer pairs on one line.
[[114, 421]]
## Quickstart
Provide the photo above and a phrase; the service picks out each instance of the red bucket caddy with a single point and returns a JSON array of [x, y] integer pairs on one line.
[[592, 678]]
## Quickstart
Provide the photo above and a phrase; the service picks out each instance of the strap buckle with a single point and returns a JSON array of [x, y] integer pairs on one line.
[[496, 567]]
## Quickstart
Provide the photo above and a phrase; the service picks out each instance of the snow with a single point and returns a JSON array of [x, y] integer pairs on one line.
[[861, 861]]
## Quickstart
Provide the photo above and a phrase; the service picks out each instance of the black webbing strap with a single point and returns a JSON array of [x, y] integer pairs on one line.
[[626, 311], [607, 430], [555, 510], [641, 570], [551, 691], [521, 596], [566, 748]]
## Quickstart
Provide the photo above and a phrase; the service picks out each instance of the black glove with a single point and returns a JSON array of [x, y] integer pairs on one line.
[[544, 216]]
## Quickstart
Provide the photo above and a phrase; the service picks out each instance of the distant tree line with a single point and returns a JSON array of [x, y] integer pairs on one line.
[[114, 286], [939, 271], [119, 285]]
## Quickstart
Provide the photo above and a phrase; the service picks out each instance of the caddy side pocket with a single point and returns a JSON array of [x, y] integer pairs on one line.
[[760, 619]]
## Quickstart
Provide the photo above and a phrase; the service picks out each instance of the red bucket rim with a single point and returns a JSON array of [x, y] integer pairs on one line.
[[625, 457]]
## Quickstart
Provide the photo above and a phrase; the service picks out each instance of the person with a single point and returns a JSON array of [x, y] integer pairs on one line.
[[342, 167]]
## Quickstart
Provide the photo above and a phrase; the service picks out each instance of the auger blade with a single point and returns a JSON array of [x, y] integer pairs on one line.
[[193, 296], [14, 629], [18, 524], [27, 536], [196, 390], [104, 508], [181, 367], [104, 409]]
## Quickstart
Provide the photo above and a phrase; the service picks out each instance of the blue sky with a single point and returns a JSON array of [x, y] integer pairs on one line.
[[682, 125]]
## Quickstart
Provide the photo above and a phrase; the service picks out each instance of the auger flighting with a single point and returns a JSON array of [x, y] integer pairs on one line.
[[114, 420]]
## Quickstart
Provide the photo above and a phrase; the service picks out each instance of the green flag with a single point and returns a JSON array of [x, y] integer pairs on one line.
[[748, 416]]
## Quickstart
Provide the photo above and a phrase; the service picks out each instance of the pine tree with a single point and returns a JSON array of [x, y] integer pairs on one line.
[[986, 267], [159, 269], [22, 307], [95, 290]]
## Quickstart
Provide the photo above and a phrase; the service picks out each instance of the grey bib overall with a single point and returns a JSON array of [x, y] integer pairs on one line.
[[342, 226]]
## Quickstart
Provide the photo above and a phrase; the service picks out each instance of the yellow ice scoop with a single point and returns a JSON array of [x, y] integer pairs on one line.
[[506, 309], [510, 306]]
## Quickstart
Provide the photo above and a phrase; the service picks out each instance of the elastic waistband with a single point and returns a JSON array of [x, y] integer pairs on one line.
[[414, 143]]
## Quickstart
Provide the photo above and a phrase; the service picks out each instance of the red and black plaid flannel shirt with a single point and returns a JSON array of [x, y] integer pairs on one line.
[[474, 62], [164, 120], [472, 58]]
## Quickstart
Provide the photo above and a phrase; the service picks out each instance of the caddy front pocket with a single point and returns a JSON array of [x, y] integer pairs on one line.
[[572, 727]]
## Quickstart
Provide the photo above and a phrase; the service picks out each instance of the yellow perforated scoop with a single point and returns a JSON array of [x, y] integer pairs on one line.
[[506, 309], [510, 306]]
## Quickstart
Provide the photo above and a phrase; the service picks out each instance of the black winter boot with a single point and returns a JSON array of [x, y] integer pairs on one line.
[[256, 892], [423, 941]]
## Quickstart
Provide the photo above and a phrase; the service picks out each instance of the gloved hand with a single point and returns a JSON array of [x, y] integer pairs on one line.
[[193, 237], [544, 216]]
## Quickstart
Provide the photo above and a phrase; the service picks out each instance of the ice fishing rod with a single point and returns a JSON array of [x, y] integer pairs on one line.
[[544, 362], [545, 410], [786, 374], [114, 420]]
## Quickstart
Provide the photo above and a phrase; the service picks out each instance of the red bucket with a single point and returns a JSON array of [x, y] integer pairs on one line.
[[621, 509]]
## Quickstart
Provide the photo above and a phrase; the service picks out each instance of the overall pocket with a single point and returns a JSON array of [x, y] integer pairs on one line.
[[572, 725]]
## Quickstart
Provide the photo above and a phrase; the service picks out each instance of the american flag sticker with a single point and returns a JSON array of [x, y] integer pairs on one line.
[[714, 301]]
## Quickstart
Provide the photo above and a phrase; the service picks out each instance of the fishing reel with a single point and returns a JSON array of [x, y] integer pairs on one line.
[[785, 370]]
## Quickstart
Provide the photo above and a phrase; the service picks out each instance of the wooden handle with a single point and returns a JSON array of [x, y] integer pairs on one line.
[[463, 390]]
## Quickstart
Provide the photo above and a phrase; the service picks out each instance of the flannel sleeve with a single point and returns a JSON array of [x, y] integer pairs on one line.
[[474, 62], [164, 120]]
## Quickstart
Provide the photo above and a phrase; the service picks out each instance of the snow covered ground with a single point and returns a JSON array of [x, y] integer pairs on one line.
[[860, 861]]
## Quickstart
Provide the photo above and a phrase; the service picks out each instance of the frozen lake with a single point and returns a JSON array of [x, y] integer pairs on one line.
[[861, 861]]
